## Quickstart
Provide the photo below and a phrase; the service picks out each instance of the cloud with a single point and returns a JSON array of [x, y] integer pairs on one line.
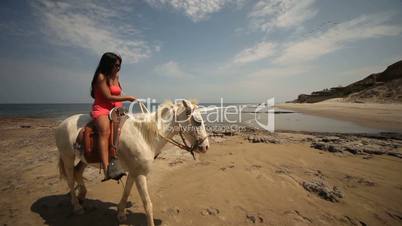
[[335, 38], [196, 10], [269, 14], [292, 58], [171, 69], [11, 28], [88, 25], [260, 51], [279, 71]]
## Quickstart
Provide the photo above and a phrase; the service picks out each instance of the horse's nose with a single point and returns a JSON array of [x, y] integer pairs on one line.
[[204, 148]]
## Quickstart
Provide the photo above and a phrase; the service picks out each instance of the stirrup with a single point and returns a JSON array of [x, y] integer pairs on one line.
[[114, 171], [117, 177]]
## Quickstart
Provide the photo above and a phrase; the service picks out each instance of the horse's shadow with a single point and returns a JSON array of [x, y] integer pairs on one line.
[[56, 210]]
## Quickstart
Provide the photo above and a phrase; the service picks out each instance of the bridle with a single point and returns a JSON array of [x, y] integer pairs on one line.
[[184, 146]]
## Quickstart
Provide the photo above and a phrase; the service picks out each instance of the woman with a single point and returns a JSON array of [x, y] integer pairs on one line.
[[106, 91]]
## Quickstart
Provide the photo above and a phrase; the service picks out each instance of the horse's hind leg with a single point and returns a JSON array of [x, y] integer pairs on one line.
[[69, 171], [78, 176]]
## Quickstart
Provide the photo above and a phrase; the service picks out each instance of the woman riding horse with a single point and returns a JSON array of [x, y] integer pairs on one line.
[[106, 91]]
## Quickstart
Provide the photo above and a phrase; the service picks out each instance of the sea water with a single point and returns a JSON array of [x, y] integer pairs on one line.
[[284, 120]]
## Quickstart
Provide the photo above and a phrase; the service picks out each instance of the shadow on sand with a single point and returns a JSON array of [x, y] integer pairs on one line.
[[57, 210]]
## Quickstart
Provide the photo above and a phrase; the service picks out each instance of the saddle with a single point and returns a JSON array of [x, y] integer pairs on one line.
[[87, 138]]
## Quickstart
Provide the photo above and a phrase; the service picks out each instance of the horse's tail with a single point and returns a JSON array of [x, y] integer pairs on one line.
[[62, 171]]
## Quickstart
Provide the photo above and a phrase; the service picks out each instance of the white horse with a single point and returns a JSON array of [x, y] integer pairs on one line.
[[142, 138]]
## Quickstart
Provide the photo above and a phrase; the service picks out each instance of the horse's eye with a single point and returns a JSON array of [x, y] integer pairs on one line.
[[197, 122]]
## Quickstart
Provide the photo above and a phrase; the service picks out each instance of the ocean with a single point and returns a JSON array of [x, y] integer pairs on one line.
[[284, 120]]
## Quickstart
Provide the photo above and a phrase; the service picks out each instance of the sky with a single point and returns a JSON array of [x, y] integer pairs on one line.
[[238, 50]]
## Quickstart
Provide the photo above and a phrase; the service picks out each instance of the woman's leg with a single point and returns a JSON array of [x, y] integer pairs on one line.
[[103, 128]]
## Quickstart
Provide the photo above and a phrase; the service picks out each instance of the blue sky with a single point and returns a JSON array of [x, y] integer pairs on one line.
[[242, 51]]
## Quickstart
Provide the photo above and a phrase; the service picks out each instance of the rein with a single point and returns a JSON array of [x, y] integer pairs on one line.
[[183, 146]]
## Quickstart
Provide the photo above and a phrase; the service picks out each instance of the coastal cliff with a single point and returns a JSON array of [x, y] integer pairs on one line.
[[384, 87]]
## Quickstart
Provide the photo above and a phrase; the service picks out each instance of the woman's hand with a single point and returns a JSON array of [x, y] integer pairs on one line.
[[131, 98]]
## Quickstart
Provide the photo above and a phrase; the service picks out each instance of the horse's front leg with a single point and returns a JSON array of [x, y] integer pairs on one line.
[[121, 208], [141, 183]]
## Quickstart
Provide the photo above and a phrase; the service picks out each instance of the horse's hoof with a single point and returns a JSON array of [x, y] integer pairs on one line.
[[79, 211], [121, 217], [81, 199], [82, 194]]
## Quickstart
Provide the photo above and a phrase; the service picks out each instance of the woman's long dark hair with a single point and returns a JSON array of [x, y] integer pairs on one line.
[[106, 66]]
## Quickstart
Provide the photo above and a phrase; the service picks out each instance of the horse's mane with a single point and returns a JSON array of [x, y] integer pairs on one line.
[[147, 126]]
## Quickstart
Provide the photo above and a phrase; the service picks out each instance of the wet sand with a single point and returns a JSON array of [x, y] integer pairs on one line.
[[375, 115], [244, 179]]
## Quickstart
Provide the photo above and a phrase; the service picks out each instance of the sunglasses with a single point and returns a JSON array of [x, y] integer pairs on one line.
[[117, 66]]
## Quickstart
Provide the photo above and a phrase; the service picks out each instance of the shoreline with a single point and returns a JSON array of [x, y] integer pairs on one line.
[[373, 115], [354, 117], [50, 122]]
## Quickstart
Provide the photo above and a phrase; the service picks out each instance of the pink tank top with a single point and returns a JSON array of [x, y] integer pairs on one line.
[[101, 100]]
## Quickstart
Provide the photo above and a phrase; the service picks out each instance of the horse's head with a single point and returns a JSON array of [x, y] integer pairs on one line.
[[187, 121], [190, 118]]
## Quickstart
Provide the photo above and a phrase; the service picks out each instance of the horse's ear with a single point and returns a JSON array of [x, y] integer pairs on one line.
[[187, 106], [165, 112]]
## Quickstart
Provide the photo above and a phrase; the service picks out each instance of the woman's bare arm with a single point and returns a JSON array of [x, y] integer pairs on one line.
[[102, 84]]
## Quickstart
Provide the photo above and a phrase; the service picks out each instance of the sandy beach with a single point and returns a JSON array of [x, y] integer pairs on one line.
[[183, 100], [375, 115], [250, 178]]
